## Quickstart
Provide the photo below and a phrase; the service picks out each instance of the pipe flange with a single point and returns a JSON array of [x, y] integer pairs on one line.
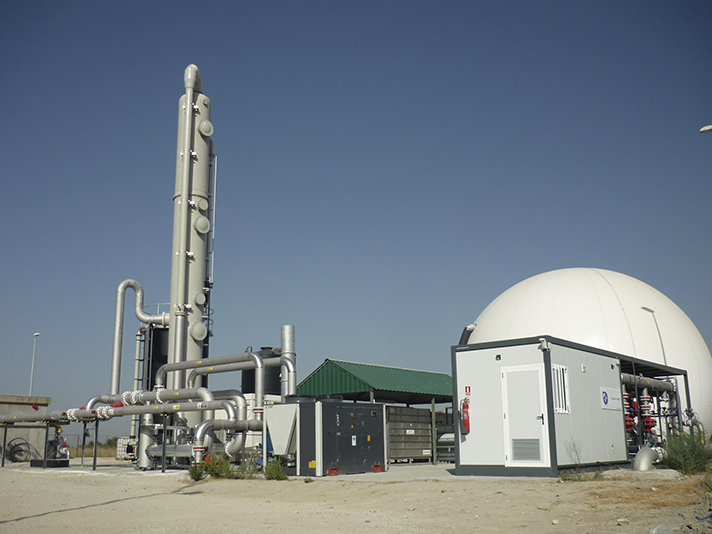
[[126, 397], [135, 397]]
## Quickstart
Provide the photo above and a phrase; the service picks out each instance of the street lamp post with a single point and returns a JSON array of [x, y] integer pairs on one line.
[[32, 371]]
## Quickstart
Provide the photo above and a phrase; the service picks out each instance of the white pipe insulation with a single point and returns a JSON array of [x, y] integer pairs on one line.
[[255, 360], [162, 319], [289, 373], [285, 362]]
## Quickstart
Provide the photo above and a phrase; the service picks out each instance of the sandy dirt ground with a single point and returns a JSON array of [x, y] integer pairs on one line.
[[116, 498]]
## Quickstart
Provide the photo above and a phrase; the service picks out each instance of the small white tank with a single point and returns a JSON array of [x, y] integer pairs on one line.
[[607, 310]]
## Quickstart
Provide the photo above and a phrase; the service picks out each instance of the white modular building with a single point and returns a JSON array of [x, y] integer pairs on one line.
[[534, 406], [604, 364]]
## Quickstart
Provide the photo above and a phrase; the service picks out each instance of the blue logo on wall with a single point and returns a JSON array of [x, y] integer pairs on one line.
[[605, 398]]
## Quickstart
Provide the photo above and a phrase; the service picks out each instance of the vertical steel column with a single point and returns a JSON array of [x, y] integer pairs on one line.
[[4, 444], [84, 441], [434, 432], [44, 460], [96, 443], [165, 438]]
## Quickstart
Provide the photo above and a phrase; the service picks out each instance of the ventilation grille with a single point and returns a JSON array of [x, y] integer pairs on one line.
[[526, 450]]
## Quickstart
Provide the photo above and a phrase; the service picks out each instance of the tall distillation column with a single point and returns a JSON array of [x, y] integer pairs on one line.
[[191, 228]]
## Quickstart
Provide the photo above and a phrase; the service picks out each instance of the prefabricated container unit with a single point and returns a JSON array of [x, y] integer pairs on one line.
[[409, 433], [534, 406], [319, 437]]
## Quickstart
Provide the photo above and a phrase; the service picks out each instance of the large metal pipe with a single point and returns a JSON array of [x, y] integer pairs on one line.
[[163, 370], [33, 417], [199, 447], [255, 360], [162, 319], [108, 412], [288, 353], [290, 376], [643, 382], [146, 438]]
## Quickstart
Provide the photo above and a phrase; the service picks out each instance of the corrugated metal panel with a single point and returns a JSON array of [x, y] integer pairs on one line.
[[329, 379], [384, 378], [336, 377]]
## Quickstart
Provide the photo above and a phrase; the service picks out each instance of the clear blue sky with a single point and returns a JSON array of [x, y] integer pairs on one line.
[[386, 169]]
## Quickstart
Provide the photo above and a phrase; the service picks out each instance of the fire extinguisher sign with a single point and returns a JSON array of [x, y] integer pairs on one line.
[[467, 391]]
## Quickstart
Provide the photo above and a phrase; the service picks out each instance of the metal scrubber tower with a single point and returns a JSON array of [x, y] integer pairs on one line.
[[191, 254]]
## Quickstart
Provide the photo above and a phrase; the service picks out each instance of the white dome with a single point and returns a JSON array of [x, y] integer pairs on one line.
[[607, 310]]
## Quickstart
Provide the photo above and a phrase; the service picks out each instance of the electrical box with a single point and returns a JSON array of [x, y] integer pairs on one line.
[[321, 437]]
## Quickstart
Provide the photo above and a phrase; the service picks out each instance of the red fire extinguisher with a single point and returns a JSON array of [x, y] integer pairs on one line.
[[465, 415]]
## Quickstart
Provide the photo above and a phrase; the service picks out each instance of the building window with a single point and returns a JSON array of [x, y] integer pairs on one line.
[[561, 388]]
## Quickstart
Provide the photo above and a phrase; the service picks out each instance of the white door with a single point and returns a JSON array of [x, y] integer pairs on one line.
[[526, 429]]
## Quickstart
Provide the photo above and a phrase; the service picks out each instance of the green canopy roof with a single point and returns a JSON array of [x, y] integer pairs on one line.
[[361, 381]]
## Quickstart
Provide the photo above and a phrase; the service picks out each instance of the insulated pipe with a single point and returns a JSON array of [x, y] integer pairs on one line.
[[162, 319], [199, 448], [101, 399], [145, 440], [255, 360], [145, 396], [291, 368], [259, 407], [168, 367], [235, 396], [291, 375], [288, 354], [235, 445], [107, 412], [33, 417], [643, 382]]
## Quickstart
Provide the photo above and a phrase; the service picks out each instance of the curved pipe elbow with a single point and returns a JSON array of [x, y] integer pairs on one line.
[[234, 446], [291, 374], [101, 399], [237, 397], [163, 319], [259, 384]]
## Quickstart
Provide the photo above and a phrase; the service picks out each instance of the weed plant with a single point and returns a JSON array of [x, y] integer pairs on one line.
[[219, 466], [197, 472], [274, 471], [686, 453]]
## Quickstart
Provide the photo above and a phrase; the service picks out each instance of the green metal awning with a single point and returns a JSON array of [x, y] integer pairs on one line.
[[366, 382]]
